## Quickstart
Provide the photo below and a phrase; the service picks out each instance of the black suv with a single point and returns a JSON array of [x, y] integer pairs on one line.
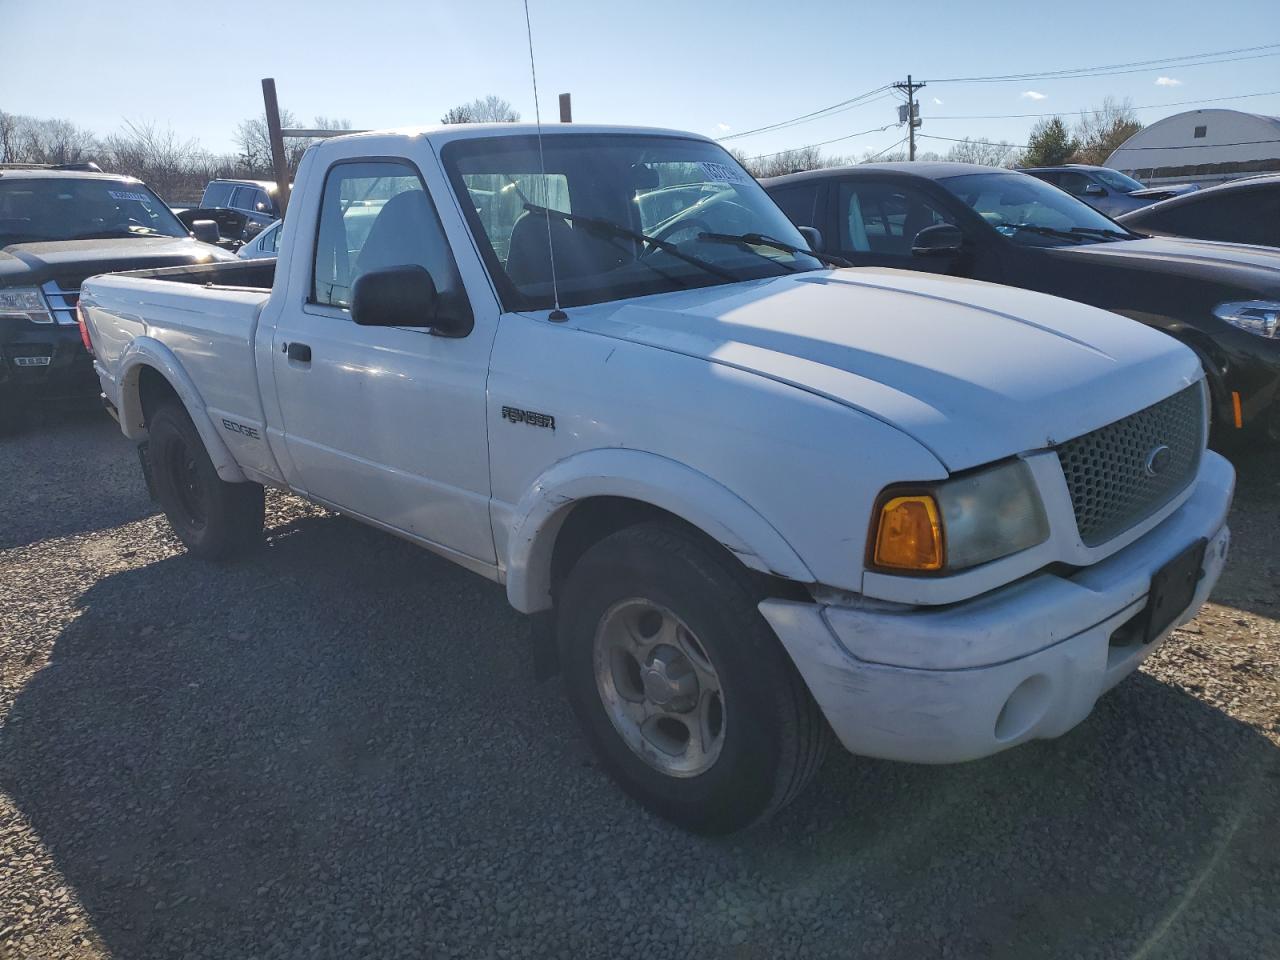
[[1222, 300], [57, 227], [256, 199]]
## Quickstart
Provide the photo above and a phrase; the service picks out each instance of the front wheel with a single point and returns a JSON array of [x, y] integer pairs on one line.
[[682, 689], [213, 518]]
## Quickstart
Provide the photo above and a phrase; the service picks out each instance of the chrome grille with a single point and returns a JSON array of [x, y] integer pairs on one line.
[[62, 302], [1115, 474]]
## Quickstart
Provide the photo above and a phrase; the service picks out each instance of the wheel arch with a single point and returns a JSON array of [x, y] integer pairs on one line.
[[589, 495], [151, 373]]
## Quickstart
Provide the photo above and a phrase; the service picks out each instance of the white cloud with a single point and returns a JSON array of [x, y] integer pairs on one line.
[[1033, 95], [1167, 82], [723, 127], [937, 101]]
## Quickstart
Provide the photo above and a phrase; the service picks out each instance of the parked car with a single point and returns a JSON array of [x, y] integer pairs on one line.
[[748, 500], [1241, 211], [255, 199], [1007, 227], [1105, 189], [58, 226], [265, 244]]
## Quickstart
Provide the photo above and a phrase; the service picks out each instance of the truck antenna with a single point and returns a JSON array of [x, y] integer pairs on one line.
[[557, 315]]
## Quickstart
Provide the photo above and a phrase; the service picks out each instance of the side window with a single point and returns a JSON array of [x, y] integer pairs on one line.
[[241, 199], [1051, 176], [1231, 217], [1074, 183], [271, 242], [798, 203], [376, 214], [883, 218]]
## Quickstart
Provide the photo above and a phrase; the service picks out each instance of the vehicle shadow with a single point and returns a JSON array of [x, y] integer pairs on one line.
[[1251, 580], [67, 470], [337, 748]]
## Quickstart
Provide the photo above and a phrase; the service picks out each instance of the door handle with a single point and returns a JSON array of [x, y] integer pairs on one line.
[[299, 351]]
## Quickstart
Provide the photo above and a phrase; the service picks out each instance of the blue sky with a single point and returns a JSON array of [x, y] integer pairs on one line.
[[712, 68]]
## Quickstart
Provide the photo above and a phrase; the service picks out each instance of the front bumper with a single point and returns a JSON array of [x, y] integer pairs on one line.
[[1027, 661], [39, 360]]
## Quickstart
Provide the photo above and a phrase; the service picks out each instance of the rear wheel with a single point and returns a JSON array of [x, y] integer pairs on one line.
[[681, 686], [213, 518]]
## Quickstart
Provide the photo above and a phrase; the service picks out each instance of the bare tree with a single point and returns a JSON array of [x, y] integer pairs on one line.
[[984, 152], [254, 140], [34, 140], [490, 109], [1100, 131], [171, 166]]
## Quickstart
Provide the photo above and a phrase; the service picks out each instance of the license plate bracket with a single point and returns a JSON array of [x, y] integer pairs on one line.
[[1172, 588]]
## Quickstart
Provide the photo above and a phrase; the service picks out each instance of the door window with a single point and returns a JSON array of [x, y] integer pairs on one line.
[[798, 203], [884, 218], [270, 242], [1074, 183], [377, 214]]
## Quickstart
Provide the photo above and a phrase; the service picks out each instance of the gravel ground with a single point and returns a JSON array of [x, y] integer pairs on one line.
[[336, 749]]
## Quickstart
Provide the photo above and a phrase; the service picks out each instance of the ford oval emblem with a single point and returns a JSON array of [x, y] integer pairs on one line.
[[1158, 460]]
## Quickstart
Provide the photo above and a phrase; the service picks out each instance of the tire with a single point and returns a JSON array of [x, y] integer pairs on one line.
[[758, 747], [216, 520]]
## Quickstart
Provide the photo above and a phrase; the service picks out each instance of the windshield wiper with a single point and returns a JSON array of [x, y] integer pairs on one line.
[[749, 240], [1103, 232], [618, 230], [1043, 231]]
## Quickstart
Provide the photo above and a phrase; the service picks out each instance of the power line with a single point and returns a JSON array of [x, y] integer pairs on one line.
[[823, 143], [1204, 146], [989, 143], [885, 150], [1065, 72], [1081, 113], [859, 100]]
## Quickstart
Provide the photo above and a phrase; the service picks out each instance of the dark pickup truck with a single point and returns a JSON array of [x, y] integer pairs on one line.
[[59, 226]]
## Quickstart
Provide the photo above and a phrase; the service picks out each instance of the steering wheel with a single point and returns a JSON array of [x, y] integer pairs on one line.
[[694, 224]]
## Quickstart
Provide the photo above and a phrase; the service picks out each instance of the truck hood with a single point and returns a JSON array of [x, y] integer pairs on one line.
[[1238, 264], [973, 371], [70, 261]]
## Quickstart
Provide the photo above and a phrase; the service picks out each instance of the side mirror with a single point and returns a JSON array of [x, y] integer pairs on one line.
[[403, 296], [940, 240], [814, 237], [206, 231], [1094, 190]]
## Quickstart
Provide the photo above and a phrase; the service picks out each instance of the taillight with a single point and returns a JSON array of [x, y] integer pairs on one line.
[[84, 329]]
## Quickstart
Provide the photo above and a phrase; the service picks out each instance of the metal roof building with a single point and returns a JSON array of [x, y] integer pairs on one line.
[[1201, 146]]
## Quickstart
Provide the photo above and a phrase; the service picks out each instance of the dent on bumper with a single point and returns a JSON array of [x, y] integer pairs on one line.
[[1022, 663]]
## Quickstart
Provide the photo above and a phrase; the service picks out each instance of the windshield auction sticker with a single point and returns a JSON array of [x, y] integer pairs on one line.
[[723, 173], [126, 195]]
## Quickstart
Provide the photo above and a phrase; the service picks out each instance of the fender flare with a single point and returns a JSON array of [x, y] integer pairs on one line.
[[646, 477], [149, 352]]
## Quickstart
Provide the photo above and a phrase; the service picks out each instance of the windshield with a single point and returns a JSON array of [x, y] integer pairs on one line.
[[628, 215], [1118, 181], [1030, 211], [66, 208]]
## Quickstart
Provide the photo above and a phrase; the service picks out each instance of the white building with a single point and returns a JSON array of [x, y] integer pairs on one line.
[[1201, 146]]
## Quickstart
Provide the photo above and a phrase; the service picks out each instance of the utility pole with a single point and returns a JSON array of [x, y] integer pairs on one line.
[[566, 108], [913, 113]]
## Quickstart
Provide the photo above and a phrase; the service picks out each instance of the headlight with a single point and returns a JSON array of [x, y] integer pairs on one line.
[[1257, 316], [25, 303], [959, 523]]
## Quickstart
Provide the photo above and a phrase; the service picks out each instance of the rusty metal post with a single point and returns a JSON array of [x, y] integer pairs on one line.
[[566, 109], [279, 163]]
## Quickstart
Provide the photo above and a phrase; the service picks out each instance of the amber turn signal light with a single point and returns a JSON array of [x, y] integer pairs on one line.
[[909, 535]]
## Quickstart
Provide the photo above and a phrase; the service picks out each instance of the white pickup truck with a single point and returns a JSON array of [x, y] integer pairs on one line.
[[757, 501]]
